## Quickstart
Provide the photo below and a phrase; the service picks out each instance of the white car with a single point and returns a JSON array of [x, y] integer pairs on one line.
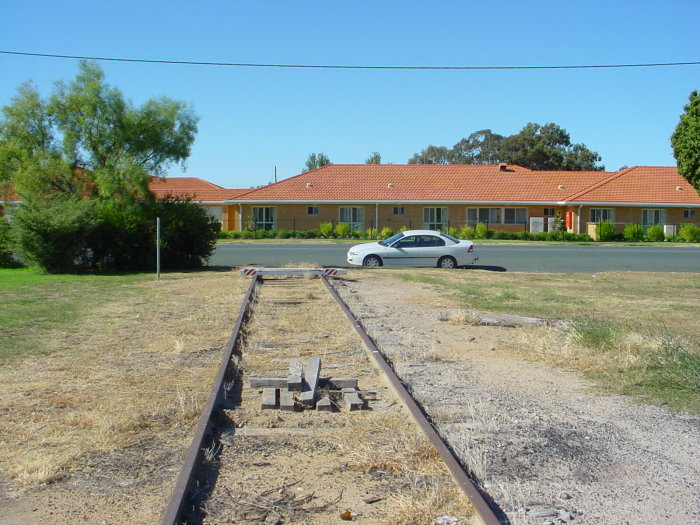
[[414, 248]]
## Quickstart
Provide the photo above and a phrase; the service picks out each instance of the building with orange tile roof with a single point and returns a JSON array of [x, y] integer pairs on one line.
[[505, 197], [433, 196]]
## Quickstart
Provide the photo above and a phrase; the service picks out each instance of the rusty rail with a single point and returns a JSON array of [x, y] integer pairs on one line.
[[179, 496], [194, 452], [482, 507]]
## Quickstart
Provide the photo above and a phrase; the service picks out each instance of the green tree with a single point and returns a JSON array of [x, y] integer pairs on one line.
[[431, 155], [686, 141], [316, 161], [88, 140], [374, 158], [536, 147], [81, 162], [481, 147], [547, 147]]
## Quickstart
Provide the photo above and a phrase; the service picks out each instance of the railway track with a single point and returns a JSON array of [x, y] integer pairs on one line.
[[251, 460]]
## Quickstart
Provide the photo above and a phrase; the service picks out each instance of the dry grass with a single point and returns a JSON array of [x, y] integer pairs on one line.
[[132, 369], [298, 319], [634, 333], [395, 446], [426, 499], [645, 299]]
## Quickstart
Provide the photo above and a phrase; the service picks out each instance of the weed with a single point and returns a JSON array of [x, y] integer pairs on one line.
[[593, 333]]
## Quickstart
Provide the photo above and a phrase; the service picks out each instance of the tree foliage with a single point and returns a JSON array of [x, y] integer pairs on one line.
[[316, 161], [536, 147], [686, 141], [81, 162], [374, 158], [431, 155], [87, 140]]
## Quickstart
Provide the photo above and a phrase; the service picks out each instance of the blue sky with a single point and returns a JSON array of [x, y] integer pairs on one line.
[[256, 119]]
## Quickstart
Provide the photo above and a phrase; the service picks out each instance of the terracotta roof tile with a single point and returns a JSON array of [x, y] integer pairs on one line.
[[642, 184], [193, 188], [426, 182]]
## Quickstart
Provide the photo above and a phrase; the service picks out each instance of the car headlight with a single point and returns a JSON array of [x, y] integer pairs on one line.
[[352, 253]]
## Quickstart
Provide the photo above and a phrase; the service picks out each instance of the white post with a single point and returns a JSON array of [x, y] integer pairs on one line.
[[158, 248]]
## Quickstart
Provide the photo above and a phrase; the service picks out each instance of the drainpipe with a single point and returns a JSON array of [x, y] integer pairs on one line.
[[240, 217], [376, 218], [579, 218]]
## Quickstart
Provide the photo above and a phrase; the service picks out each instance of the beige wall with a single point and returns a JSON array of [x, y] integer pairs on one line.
[[294, 216]]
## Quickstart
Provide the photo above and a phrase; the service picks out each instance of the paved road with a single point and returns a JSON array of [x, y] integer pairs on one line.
[[496, 257]]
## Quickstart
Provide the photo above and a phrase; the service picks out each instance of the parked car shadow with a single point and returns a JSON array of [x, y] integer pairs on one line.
[[487, 268]]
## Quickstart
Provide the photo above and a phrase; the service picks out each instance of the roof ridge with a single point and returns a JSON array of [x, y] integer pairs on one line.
[[603, 182]]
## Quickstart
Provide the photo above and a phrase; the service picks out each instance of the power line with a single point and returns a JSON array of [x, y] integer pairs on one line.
[[329, 66]]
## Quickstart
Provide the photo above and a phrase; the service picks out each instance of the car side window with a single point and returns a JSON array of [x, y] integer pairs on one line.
[[406, 242], [430, 241]]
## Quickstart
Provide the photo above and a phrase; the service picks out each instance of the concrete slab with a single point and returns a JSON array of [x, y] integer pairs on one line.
[[269, 398]]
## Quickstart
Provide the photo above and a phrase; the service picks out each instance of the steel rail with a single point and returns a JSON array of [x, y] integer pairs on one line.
[[194, 452], [482, 507]]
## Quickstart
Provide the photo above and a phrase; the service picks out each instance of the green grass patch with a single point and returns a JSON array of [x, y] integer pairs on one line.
[[37, 306]]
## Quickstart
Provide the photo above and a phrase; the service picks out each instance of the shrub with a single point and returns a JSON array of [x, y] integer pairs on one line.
[[452, 231], [246, 234], [53, 233], [655, 233], [501, 234], [188, 234], [605, 231], [264, 234], [633, 232], [481, 231], [326, 229], [403, 229], [386, 232], [356, 234], [466, 232], [370, 233], [7, 258], [689, 233], [283, 234], [342, 230]]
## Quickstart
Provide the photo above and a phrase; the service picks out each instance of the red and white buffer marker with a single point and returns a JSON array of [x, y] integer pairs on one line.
[[328, 272]]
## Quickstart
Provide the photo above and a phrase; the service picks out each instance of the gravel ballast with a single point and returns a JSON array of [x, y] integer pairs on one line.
[[541, 442]]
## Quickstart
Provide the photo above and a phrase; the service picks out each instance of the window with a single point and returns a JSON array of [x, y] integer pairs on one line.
[[549, 212], [496, 216], [601, 214], [652, 217], [353, 216], [435, 218], [264, 217], [312, 210], [688, 213], [399, 210], [515, 216]]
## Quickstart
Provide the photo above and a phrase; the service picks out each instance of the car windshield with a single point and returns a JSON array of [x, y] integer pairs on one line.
[[453, 239], [393, 238]]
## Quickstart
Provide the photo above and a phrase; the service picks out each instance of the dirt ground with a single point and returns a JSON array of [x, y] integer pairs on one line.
[[541, 441], [309, 467]]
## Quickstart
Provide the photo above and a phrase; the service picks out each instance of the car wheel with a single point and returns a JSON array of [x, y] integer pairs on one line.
[[447, 262], [373, 261]]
